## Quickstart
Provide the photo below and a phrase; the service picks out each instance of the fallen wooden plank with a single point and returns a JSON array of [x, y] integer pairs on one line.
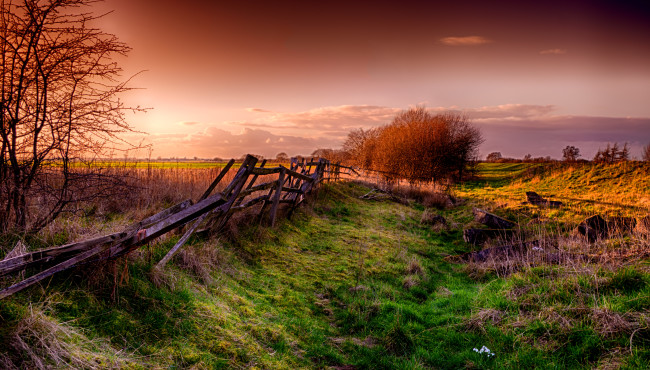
[[54, 254], [161, 264], [53, 270], [29, 259]]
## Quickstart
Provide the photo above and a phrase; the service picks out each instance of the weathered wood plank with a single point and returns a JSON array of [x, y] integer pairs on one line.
[[276, 198], [246, 169], [217, 180], [200, 208], [52, 270], [266, 171], [260, 187], [28, 259], [250, 202], [57, 253], [245, 192], [161, 215]]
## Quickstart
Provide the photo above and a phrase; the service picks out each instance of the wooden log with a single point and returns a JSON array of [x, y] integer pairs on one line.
[[491, 220]]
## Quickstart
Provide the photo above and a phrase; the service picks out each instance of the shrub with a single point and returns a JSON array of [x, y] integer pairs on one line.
[[417, 146]]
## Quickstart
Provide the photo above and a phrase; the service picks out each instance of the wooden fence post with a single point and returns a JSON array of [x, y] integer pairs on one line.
[[276, 197]]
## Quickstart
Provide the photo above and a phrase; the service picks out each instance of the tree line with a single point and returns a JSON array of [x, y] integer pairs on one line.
[[611, 154]]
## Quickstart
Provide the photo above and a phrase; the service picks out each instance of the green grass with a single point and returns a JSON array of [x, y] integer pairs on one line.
[[349, 282]]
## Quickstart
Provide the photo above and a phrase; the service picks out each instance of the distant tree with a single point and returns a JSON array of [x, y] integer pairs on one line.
[[612, 154], [323, 153], [646, 153], [494, 157], [282, 156], [570, 153], [59, 105], [623, 154], [528, 157]]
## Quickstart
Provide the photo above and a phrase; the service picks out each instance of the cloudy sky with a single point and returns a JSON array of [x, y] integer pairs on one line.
[[230, 77]]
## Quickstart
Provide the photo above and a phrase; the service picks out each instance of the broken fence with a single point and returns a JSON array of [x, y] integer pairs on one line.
[[212, 211]]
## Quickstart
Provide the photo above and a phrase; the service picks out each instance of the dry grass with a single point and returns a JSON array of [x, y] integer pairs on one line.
[[39, 342], [201, 260], [478, 321]]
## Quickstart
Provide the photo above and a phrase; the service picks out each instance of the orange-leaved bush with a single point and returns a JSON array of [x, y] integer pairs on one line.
[[417, 146]]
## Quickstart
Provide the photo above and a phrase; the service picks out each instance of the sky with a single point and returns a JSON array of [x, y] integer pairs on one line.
[[225, 78]]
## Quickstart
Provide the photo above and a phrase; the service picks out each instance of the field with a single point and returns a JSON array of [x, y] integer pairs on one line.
[[351, 282]]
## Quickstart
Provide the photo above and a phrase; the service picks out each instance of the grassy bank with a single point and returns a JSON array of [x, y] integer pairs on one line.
[[350, 283]]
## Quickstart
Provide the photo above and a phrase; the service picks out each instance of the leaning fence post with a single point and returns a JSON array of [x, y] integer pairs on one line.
[[276, 196]]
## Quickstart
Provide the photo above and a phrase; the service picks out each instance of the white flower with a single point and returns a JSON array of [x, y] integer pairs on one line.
[[485, 350]]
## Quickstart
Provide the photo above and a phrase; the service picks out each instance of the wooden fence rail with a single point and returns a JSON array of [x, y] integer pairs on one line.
[[212, 211]]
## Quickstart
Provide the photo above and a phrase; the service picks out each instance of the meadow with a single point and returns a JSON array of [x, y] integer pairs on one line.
[[352, 281]]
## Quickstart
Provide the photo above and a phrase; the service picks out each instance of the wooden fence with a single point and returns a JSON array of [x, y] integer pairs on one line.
[[210, 211]]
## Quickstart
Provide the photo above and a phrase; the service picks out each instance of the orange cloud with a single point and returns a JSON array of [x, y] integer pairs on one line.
[[553, 51], [465, 41], [343, 117]]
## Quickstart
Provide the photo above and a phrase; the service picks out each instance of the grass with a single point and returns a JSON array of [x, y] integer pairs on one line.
[[352, 283]]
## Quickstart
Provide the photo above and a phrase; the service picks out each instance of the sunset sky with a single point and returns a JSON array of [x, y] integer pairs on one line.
[[226, 78]]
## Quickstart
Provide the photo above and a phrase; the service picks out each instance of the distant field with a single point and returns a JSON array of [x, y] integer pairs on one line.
[[498, 171], [154, 164]]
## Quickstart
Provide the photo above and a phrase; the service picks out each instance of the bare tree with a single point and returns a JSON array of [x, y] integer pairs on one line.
[[646, 153], [570, 153], [60, 106]]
